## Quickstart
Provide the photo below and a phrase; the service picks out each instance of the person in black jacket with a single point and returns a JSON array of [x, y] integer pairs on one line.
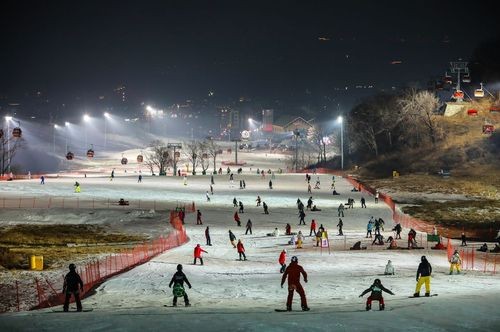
[[178, 280], [73, 284], [423, 276], [376, 294]]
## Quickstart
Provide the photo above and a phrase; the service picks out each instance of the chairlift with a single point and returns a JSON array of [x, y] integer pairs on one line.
[[466, 78], [479, 93], [90, 152], [140, 158], [17, 132], [70, 155], [447, 79], [124, 160]]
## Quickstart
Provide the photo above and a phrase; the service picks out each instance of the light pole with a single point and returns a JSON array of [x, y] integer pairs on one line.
[[296, 133], [341, 121], [66, 124], [54, 138], [86, 118], [106, 117], [8, 118]]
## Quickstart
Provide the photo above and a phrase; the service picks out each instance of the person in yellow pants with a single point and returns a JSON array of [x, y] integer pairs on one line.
[[455, 262], [423, 277]]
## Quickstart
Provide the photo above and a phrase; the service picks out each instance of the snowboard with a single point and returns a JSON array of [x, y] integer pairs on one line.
[[416, 297], [284, 310], [175, 306], [73, 310]]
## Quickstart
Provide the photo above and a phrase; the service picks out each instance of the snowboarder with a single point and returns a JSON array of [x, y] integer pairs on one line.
[[389, 269], [244, 184], [232, 238], [455, 262], [207, 236], [369, 228], [237, 218], [398, 230], [73, 284], [282, 260], [242, 208], [77, 187], [309, 188], [270, 184], [340, 225], [376, 294], [235, 202], [139, 179], [178, 280], [212, 179], [258, 200], [249, 227], [264, 205], [378, 240], [309, 203], [288, 229], [363, 202], [313, 228], [207, 196], [302, 215], [412, 242], [241, 184], [42, 179], [464, 240], [112, 175], [211, 190], [197, 254], [198, 218], [293, 272], [340, 210], [241, 250], [424, 272], [377, 194]]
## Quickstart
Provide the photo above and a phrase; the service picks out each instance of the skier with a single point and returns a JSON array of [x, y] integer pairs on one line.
[[377, 226], [340, 210], [398, 230], [178, 280], [424, 272], [197, 254], [244, 184], [293, 272], [376, 294], [455, 262], [340, 225], [249, 227], [377, 194], [302, 215], [71, 282], [266, 210], [309, 203], [77, 187], [464, 240], [309, 188], [241, 250], [363, 202], [112, 175], [411, 239], [212, 179], [241, 184], [242, 208], [42, 179], [237, 218], [208, 196], [270, 184], [198, 218], [211, 190], [300, 240], [389, 269], [258, 200], [207, 236], [235, 202], [232, 238], [282, 260], [139, 179], [369, 228], [313, 228]]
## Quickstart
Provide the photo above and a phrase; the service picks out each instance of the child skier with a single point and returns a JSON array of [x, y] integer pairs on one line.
[[197, 254], [71, 282], [455, 262], [178, 280], [389, 269], [282, 260], [293, 272], [376, 294]]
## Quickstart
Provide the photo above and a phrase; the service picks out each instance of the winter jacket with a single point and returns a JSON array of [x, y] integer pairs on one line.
[[376, 291], [455, 259], [232, 237], [178, 279], [236, 216], [313, 225], [71, 282], [198, 251], [424, 269], [282, 259], [240, 247], [293, 272], [369, 226]]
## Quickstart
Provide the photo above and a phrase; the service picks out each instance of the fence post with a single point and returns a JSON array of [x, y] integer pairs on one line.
[[34, 199], [78, 202], [485, 261], [20, 198], [50, 200], [17, 295]]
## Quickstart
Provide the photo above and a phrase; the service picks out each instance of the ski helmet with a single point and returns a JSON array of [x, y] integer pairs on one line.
[[284, 250], [295, 259], [423, 259], [179, 267], [72, 266], [377, 281]]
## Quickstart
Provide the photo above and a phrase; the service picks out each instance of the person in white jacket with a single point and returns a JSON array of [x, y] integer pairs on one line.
[[455, 262], [389, 269]]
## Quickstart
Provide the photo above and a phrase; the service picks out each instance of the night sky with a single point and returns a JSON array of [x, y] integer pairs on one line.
[[168, 51]]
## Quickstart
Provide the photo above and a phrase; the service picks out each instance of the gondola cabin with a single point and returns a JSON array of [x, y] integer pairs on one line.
[[124, 161], [70, 156], [479, 93], [140, 158], [90, 153], [17, 132]]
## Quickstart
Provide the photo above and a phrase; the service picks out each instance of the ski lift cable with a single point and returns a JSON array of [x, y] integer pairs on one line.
[[488, 91]]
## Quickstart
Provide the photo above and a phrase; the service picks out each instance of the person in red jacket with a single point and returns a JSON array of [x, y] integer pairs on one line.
[[241, 250], [282, 261], [197, 254], [237, 218], [293, 272], [313, 228]]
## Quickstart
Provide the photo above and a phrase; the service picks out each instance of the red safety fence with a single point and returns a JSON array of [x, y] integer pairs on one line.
[[474, 260], [46, 292]]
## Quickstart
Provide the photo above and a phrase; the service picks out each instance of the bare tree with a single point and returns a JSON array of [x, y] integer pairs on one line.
[[204, 157], [159, 156], [213, 150], [192, 151], [9, 146]]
